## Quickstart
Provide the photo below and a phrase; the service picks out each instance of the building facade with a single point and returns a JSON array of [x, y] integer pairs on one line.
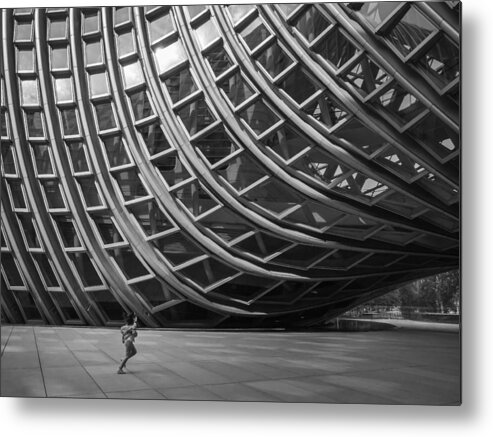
[[225, 166]]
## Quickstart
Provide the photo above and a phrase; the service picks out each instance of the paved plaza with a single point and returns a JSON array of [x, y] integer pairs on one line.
[[413, 364]]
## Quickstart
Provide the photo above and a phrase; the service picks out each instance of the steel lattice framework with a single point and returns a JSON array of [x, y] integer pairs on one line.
[[218, 166]]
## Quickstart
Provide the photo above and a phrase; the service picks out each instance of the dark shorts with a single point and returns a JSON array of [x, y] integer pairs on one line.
[[130, 348]]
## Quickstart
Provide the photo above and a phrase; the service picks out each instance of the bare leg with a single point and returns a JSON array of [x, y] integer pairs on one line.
[[131, 351]]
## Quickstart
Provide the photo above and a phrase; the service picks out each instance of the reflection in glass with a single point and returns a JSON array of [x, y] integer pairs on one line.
[[63, 89], [69, 121], [132, 74], [42, 158], [25, 60], [125, 44], [106, 119], [59, 57], [99, 86], [29, 92], [160, 27], [35, 124], [170, 56], [206, 33], [93, 53], [57, 29], [180, 85]]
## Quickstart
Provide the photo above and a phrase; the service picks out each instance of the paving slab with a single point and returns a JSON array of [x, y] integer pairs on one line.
[[400, 366]]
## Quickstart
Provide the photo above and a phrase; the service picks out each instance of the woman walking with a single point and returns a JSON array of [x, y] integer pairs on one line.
[[129, 332]]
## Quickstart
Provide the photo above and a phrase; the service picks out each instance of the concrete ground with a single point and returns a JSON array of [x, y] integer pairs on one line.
[[407, 365]]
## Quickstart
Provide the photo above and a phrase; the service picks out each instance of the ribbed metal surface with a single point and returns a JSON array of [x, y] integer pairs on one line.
[[218, 166]]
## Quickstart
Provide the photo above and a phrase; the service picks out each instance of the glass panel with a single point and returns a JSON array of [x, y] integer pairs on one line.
[[109, 306], [285, 293], [11, 271], [298, 85], [215, 146], [43, 159], [206, 33], [93, 53], [91, 22], [23, 31], [99, 85], [125, 44], [160, 27], [67, 231], [441, 62], [29, 92], [255, 33], [107, 229], [106, 119], [57, 29], [172, 169], [360, 136], [129, 264], [25, 60], [132, 73], [17, 193], [366, 76], [273, 196], [122, 15], [29, 230], [274, 60], [65, 305], [256, 246], [59, 57], [336, 48], [239, 11], [300, 256], [376, 12], [286, 142], [196, 116], [244, 287], [140, 105], [154, 138], [401, 104], [287, 8], [78, 157], [53, 194], [69, 121], [130, 184], [259, 117], [85, 268], [180, 85], [195, 10], [35, 124], [90, 192], [326, 111], [151, 218], [208, 272], [194, 197], [154, 292], [218, 60], [8, 158], [236, 88], [46, 269], [311, 23], [241, 172], [63, 89], [170, 56], [410, 31], [226, 224], [28, 305], [177, 248]]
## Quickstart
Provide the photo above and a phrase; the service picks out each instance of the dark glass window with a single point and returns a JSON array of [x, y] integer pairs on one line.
[[195, 10], [91, 22], [43, 160], [78, 157], [130, 184], [286, 143], [122, 15], [90, 192], [218, 59], [367, 76], [274, 59], [298, 85], [441, 62], [151, 218], [67, 230], [69, 121], [65, 305], [116, 151], [259, 117], [28, 305], [140, 105], [154, 138], [8, 158], [177, 248], [129, 264], [107, 229], [53, 194], [401, 104], [376, 12], [180, 85], [196, 116], [106, 118], [239, 11], [46, 269], [311, 23], [215, 146], [11, 271], [236, 88], [255, 33], [85, 268], [109, 305], [17, 193], [35, 124], [242, 172], [154, 292], [336, 48], [29, 230]]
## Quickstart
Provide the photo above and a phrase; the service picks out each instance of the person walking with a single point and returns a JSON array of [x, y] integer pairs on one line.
[[129, 332]]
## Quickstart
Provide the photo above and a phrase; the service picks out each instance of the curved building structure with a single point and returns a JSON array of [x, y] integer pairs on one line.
[[220, 166]]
